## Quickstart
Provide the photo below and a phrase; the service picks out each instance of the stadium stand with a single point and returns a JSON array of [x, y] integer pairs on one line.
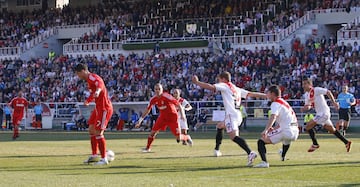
[[331, 60]]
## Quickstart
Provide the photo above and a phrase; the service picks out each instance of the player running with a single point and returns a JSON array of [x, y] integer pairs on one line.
[[183, 122], [314, 97], [19, 103], [168, 108]]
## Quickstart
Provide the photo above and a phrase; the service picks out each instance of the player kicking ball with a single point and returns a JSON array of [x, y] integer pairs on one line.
[[99, 117], [168, 108]]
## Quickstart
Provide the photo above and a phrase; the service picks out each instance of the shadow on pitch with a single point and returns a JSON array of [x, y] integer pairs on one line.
[[169, 168], [335, 164]]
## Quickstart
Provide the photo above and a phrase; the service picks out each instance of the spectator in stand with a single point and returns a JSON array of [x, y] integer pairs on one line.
[[201, 120], [124, 118], [134, 119], [7, 112]]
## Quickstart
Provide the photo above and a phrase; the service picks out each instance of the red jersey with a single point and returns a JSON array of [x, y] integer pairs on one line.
[[19, 104], [102, 101], [166, 104]]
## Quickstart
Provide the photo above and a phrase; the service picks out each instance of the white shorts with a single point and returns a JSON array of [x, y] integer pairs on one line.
[[284, 135], [232, 122], [323, 119], [183, 124]]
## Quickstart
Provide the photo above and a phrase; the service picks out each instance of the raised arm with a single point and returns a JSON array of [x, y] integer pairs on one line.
[[204, 85]]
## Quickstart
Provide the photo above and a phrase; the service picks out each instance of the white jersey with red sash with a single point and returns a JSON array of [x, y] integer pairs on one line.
[[286, 116], [315, 98], [231, 97], [287, 129]]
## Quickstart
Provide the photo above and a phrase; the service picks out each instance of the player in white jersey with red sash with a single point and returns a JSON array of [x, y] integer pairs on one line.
[[314, 97], [286, 129], [231, 96], [183, 122]]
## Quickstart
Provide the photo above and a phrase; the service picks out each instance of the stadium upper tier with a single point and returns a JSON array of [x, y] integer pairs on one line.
[[126, 20]]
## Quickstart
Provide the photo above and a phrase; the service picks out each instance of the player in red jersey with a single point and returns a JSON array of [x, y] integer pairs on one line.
[[101, 114], [19, 103], [168, 117]]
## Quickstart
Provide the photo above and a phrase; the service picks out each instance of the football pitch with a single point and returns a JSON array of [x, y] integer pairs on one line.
[[42, 158]]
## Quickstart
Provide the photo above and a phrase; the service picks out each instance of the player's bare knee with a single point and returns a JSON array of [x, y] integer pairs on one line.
[[330, 128]]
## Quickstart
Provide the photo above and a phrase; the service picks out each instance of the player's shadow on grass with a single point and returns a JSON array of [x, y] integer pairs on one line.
[[40, 156], [334, 164], [344, 185], [169, 168]]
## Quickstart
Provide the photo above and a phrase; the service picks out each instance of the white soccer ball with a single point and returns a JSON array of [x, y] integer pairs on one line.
[[110, 155]]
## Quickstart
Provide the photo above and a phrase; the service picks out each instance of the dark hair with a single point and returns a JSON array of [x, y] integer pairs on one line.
[[79, 67], [308, 80], [225, 75], [275, 89]]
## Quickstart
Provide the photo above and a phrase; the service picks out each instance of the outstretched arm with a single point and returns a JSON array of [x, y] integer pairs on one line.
[[257, 95], [204, 85], [146, 112]]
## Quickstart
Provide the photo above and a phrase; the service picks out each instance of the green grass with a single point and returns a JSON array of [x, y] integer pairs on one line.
[[55, 159]]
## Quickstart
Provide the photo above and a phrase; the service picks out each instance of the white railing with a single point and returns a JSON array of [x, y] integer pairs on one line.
[[38, 39], [248, 39], [296, 25], [96, 26], [9, 53], [67, 109], [92, 47], [348, 34], [15, 52]]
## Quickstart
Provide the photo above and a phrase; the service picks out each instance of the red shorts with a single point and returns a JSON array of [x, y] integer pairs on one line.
[[100, 118], [168, 120], [16, 119]]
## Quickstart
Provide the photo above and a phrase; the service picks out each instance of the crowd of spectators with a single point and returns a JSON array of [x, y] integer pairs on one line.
[[132, 77], [129, 20]]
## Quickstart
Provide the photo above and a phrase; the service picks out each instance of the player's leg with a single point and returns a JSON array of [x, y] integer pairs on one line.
[[310, 129], [103, 119], [175, 127], [219, 137], [184, 128], [262, 151], [93, 141], [288, 135], [329, 127], [346, 126], [346, 121], [15, 123], [232, 127], [159, 123]]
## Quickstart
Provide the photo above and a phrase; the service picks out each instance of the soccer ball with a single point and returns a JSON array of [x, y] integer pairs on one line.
[[110, 155]]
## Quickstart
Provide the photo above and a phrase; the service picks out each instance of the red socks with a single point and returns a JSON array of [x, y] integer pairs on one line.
[[102, 145], [94, 144], [150, 140]]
